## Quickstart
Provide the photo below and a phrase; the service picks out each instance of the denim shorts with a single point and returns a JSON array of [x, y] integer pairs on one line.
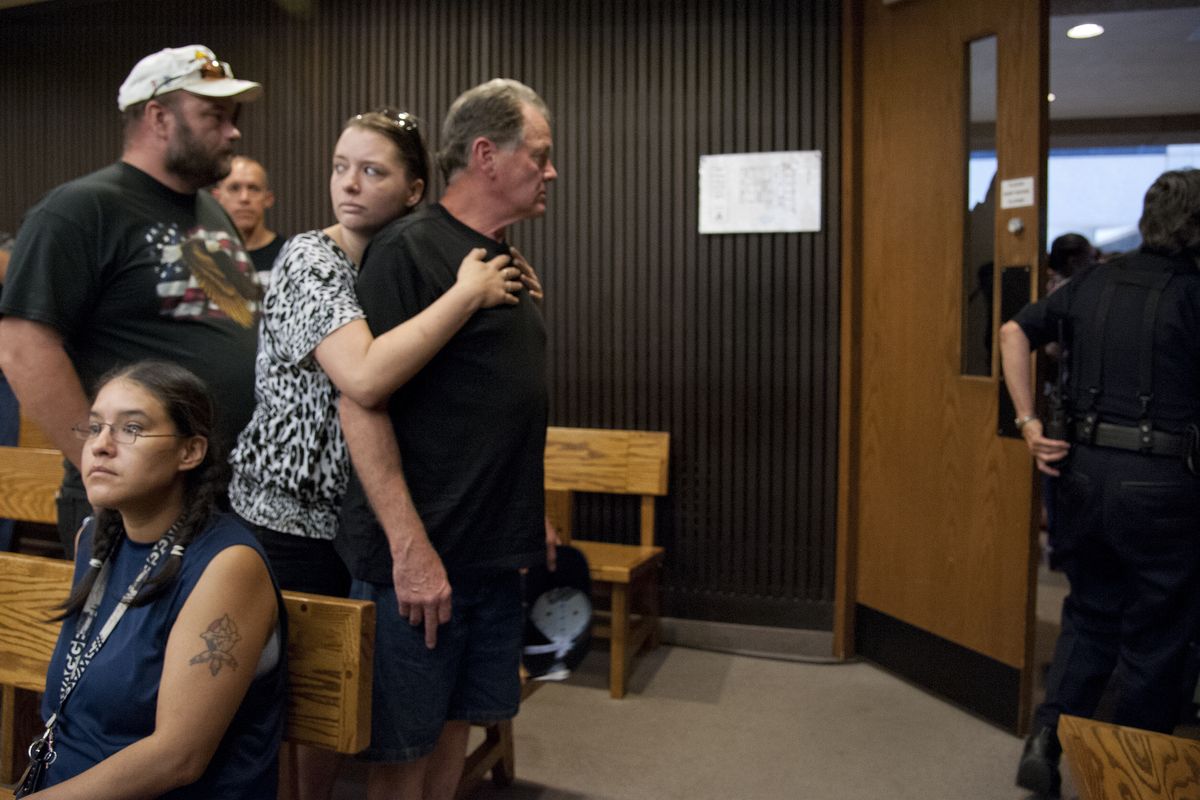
[[472, 674]]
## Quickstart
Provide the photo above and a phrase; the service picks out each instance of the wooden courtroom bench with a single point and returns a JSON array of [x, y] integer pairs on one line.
[[29, 479], [1112, 761], [30, 435], [36, 531], [330, 647], [613, 462]]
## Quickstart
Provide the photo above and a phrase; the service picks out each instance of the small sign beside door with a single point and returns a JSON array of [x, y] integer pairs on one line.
[[1016, 192]]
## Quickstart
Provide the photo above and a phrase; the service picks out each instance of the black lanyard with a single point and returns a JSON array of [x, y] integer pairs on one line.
[[80, 653]]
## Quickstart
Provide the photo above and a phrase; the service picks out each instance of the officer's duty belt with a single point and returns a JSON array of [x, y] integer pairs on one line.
[[1128, 437]]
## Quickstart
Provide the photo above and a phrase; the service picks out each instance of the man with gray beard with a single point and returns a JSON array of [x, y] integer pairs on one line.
[[134, 262]]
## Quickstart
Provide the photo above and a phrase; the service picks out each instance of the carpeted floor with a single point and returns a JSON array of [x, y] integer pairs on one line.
[[700, 725]]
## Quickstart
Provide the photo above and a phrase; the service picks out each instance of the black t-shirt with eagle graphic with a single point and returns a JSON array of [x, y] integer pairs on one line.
[[127, 269]]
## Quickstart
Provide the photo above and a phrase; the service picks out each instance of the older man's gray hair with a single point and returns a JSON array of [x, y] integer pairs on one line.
[[493, 110]]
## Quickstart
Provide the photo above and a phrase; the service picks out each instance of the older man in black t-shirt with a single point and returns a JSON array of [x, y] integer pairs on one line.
[[134, 261], [441, 553]]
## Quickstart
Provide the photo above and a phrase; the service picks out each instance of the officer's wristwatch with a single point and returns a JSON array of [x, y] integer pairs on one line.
[[1021, 422]]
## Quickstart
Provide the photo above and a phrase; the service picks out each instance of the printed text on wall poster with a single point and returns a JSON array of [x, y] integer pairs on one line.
[[761, 192]]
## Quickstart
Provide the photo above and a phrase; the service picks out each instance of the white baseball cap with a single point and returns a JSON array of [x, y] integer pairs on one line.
[[193, 69]]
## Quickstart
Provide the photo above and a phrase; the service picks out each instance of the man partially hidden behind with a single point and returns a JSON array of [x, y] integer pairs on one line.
[[467, 511], [134, 262], [246, 194]]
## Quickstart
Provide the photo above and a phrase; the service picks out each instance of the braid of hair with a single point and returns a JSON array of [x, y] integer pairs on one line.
[[107, 533]]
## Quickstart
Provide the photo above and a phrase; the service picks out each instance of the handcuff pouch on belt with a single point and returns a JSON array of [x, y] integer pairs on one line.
[[1085, 431], [1058, 422]]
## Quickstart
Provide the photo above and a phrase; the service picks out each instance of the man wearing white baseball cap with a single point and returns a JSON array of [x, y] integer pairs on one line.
[[192, 69], [134, 262]]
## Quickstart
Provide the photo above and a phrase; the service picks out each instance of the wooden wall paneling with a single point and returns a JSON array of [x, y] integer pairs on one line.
[[828, 250], [728, 342], [681, 408], [849, 330]]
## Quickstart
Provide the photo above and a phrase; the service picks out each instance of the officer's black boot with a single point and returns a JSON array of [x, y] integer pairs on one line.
[[1038, 770]]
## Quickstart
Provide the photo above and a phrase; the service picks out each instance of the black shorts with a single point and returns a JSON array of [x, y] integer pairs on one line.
[[304, 564]]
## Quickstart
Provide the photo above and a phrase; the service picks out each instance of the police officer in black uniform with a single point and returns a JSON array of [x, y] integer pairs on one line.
[[1129, 494]]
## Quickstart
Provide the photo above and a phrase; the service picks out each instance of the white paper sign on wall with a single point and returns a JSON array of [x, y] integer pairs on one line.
[[761, 192]]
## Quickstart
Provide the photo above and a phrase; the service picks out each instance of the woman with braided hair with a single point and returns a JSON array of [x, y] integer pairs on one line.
[[168, 676]]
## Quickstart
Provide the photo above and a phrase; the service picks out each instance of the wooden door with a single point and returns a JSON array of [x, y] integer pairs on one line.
[[936, 507]]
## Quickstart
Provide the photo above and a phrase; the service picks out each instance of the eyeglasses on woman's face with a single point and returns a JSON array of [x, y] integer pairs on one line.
[[123, 433]]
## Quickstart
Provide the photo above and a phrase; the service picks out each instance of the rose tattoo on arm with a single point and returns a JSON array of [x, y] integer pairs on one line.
[[220, 637]]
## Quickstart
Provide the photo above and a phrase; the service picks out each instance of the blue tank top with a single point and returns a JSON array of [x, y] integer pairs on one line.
[[115, 701]]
